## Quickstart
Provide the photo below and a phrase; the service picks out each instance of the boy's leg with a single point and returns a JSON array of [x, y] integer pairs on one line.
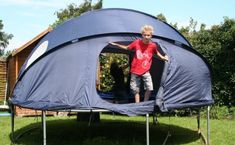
[[137, 98], [134, 85], [147, 95], [148, 84]]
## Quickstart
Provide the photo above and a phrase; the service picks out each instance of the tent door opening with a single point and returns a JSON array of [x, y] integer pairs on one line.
[[113, 75]]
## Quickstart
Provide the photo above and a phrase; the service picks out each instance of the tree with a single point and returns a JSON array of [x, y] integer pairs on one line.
[[161, 17], [74, 11], [4, 39], [218, 46], [190, 30]]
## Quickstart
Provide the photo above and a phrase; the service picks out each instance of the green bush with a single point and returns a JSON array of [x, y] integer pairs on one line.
[[220, 112]]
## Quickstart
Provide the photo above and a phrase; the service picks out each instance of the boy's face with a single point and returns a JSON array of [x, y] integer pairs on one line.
[[147, 35]]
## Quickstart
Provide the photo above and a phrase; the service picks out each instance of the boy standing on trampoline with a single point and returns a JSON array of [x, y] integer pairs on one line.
[[141, 63]]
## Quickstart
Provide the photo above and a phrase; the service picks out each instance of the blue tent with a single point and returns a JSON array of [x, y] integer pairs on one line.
[[60, 73]]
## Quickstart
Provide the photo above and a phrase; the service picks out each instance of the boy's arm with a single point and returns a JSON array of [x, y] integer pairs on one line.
[[119, 45], [165, 58]]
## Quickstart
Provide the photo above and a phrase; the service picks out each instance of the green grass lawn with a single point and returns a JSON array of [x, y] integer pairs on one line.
[[115, 130]]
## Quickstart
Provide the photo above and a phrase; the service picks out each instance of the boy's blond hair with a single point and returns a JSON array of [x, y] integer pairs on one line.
[[147, 28]]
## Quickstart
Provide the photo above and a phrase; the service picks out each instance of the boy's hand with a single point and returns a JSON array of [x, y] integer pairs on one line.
[[118, 45], [166, 58], [112, 43]]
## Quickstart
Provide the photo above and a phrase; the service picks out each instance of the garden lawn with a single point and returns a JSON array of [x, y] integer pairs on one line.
[[115, 130]]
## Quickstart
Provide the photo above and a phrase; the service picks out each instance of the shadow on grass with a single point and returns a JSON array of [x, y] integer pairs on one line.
[[107, 132]]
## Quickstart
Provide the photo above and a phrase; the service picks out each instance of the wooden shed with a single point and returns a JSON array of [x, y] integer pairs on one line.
[[14, 63]]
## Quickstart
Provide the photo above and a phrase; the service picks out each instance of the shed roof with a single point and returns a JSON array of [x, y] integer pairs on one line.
[[32, 41]]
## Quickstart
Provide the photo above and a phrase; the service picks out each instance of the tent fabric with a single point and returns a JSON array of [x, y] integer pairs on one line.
[[60, 73], [187, 69], [108, 22]]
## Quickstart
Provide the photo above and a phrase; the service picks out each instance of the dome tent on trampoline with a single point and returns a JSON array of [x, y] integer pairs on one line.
[[60, 73]]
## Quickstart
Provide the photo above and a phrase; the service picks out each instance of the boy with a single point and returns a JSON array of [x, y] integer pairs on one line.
[[141, 63]]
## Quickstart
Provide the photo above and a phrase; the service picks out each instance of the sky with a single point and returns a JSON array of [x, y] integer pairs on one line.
[[27, 18]]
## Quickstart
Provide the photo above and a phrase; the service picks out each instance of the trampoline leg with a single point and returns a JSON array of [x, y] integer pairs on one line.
[[147, 129], [200, 133], [44, 127], [208, 125], [199, 122], [12, 123], [167, 136], [168, 133], [155, 121]]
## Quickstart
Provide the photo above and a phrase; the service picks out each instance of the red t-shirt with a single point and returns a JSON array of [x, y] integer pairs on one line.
[[142, 60]]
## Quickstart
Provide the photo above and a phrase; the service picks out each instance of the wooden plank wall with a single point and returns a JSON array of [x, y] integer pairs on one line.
[[11, 72], [3, 75]]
